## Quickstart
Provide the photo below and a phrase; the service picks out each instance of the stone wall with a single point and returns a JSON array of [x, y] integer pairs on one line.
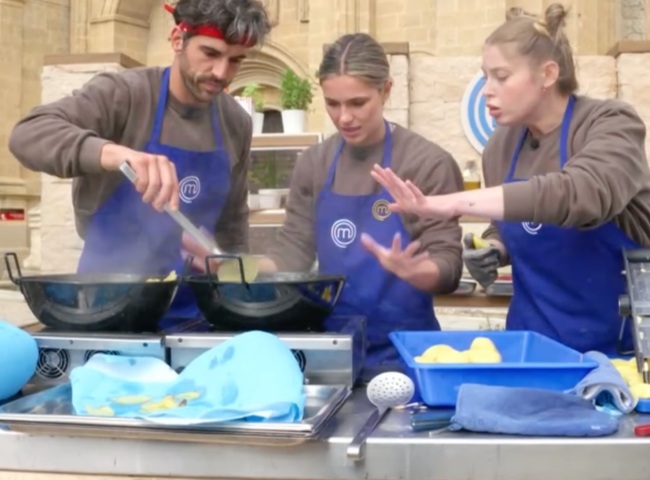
[[442, 38], [633, 19], [437, 85], [426, 97], [60, 245], [30, 29], [633, 85], [439, 28]]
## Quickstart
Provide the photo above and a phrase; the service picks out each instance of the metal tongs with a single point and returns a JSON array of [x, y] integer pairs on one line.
[[184, 222], [236, 266]]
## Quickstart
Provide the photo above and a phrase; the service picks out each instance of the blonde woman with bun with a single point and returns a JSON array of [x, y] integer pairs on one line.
[[568, 188]]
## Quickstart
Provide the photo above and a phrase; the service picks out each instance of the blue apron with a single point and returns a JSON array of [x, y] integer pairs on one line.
[[126, 235], [566, 281], [387, 302]]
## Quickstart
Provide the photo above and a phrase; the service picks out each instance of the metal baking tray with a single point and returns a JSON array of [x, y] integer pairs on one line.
[[51, 411]]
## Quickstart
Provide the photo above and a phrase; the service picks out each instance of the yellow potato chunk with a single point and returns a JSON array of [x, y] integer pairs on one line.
[[167, 403], [482, 350], [131, 399], [188, 396], [453, 356], [482, 343], [619, 362], [229, 269], [171, 277], [484, 356], [640, 390], [630, 375], [431, 354], [104, 411]]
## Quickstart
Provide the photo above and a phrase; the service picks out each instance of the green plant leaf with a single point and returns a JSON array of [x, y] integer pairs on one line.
[[252, 90], [296, 93]]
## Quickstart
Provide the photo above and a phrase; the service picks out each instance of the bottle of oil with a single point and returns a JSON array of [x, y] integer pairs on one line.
[[471, 175]]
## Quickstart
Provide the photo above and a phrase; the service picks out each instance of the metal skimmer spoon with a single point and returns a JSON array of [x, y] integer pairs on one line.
[[385, 391]]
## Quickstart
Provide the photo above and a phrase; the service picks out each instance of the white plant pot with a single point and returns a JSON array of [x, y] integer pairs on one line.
[[293, 121], [269, 198], [253, 201], [258, 122]]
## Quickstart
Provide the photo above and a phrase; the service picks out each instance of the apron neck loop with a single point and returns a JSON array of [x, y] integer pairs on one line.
[[385, 159], [564, 140], [163, 96]]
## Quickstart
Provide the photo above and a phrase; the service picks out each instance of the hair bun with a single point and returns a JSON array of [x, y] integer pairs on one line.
[[518, 12], [554, 18]]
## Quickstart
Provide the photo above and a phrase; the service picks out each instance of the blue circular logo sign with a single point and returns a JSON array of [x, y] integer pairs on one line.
[[477, 122]]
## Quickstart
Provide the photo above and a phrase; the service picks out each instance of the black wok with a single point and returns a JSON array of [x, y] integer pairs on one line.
[[278, 302], [94, 302]]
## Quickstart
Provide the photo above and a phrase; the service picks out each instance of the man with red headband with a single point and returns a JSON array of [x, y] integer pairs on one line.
[[188, 144]]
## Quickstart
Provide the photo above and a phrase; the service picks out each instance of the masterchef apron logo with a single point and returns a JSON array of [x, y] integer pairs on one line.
[[531, 228], [477, 123], [189, 189], [380, 210], [343, 232]]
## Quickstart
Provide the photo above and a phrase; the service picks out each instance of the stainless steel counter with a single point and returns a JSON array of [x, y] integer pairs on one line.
[[393, 452]]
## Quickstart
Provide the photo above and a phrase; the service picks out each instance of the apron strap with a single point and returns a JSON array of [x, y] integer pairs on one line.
[[564, 141], [160, 108], [385, 159]]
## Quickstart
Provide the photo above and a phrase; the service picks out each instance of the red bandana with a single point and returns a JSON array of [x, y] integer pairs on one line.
[[206, 30]]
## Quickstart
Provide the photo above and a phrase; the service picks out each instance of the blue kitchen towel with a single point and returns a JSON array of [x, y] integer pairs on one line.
[[528, 411], [252, 377], [605, 387], [18, 359]]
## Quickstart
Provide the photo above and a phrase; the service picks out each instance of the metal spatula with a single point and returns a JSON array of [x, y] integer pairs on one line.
[[228, 270]]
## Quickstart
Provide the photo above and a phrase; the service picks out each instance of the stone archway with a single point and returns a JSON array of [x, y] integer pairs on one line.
[[266, 67], [118, 26], [139, 10]]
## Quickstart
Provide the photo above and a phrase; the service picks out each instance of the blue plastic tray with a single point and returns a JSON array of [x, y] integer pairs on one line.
[[643, 405], [528, 360]]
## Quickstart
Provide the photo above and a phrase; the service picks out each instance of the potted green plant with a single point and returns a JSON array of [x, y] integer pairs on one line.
[[266, 175], [296, 96], [253, 91]]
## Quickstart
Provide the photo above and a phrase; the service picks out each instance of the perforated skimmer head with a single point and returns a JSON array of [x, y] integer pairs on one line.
[[390, 390]]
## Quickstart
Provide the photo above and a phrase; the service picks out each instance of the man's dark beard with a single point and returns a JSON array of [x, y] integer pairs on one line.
[[193, 84]]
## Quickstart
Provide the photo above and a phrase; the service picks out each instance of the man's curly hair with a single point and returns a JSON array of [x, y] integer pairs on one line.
[[240, 20]]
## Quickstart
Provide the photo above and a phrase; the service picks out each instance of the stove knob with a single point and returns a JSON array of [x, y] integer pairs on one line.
[[624, 306]]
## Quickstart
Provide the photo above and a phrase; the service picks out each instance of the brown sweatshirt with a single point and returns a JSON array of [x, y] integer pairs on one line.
[[427, 165], [65, 138], [605, 179]]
